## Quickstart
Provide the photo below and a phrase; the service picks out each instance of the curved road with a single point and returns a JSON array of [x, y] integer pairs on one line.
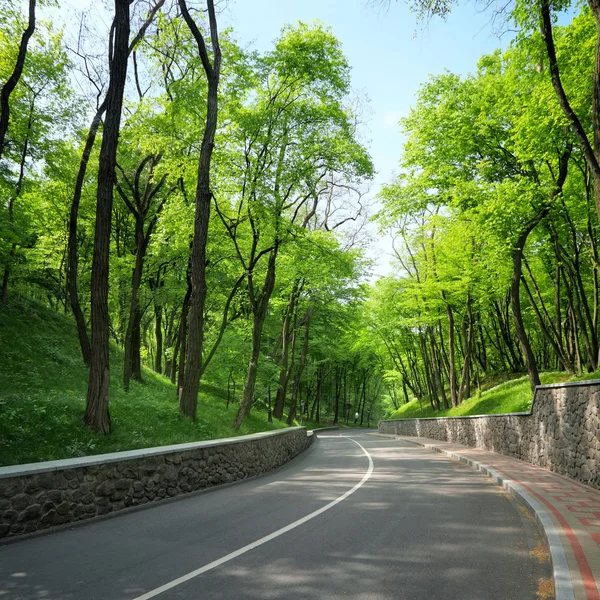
[[355, 517]]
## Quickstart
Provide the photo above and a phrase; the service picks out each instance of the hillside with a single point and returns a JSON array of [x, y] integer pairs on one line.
[[510, 396], [43, 386]]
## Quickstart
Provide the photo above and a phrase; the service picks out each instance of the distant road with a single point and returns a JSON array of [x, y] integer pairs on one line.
[[355, 517]]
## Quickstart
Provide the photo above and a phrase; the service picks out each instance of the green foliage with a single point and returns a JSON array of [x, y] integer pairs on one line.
[[510, 397], [43, 388]]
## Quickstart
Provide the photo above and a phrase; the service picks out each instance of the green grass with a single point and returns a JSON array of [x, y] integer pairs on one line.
[[43, 386], [511, 396]]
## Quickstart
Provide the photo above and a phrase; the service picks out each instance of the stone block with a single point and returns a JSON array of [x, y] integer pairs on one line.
[[33, 511], [106, 488], [22, 501]]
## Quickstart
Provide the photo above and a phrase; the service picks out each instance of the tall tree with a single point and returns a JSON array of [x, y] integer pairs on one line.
[[72, 265], [97, 413], [189, 398]]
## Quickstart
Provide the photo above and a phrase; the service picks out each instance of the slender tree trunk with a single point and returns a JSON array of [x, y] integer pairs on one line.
[[285, 369], [189, 399], [451, 357], [72, 267], [183, 327], [259, 313], [346, 411], [248, 397], [436, 368], [15, 76], [530, 363], [464, 393], [590, 153], [300, 370], [338, 391], [72, 270], [364, 396], [159, 338], [97, 414], [132, 349]]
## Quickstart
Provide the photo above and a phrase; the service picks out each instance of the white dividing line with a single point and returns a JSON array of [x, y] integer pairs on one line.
[[216, 563]]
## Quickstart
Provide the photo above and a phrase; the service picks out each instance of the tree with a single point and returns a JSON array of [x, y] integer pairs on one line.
[[290, 134], [97, 414], [42, 108], [72, 270], [189, 398]]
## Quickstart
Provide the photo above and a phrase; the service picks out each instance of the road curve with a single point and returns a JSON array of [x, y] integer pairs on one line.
[[355, 517]]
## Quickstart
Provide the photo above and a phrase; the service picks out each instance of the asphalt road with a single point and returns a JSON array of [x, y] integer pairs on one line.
[[372, 518]]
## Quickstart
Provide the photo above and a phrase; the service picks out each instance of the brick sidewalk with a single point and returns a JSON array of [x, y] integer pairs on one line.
[[568, 511]]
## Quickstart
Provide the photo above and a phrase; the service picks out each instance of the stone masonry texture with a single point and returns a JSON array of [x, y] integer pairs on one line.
[[560, 433], [39, 498]]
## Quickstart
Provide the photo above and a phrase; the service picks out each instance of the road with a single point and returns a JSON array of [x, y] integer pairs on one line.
[[357, 516]]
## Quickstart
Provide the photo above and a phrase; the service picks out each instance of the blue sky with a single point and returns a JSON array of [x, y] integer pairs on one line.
[[390, 55]]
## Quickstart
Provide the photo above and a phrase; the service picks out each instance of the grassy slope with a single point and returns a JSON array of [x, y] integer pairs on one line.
[[42, 397], [511, 396]]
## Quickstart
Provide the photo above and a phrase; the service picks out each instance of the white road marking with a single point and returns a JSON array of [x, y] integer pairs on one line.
[[216, 563]]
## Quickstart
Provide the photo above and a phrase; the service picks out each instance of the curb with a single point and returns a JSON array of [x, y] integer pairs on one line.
[[563, 587], [318, 430]]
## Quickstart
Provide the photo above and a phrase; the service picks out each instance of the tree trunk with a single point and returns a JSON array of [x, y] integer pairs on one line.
[[338, 392], [451, 356], [13, 80], [259, 310], [97, 414], [72, 267], [189, 399], [364, 396], [248, 396], [298, 374], [285, 369], [464, 393], [183, 337], [72, 270], [159, 338], [515, 302], [131, 366], [590, 153]]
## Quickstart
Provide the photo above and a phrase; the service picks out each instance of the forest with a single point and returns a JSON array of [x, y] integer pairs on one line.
[[204, 208]]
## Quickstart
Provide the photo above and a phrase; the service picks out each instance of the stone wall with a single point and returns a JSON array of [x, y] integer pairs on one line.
[[41, 495], [560, 433]]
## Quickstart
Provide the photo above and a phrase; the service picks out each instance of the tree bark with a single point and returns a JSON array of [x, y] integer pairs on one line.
[[72, 290], [299, 371], [259, 311], [183, 328], [464, 392], [132, 350], [97, 414], [159, 338], [285, 369], [451, 356], [15, 76], [72, 267], [591, 154], [193, 370]]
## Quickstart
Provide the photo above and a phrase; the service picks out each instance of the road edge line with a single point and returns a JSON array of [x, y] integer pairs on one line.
[[267, 538], [563, 586]]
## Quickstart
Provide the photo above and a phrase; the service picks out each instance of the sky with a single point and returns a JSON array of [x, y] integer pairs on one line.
[[391, 55]]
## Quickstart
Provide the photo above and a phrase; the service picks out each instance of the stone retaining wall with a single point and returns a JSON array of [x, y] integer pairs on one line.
[[560, 433], [40, 495]]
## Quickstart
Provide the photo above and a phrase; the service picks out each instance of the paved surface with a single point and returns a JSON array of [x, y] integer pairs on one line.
[[369, 519], [571, 509]]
